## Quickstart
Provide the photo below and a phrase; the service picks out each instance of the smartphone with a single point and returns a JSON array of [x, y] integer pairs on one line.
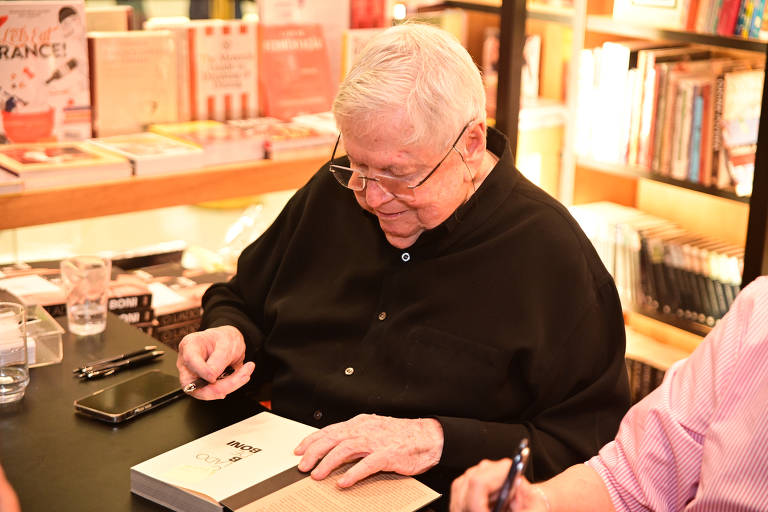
[[508, 488], [131, 397]]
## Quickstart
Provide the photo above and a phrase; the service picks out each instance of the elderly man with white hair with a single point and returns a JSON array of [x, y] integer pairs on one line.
[[419, 299]]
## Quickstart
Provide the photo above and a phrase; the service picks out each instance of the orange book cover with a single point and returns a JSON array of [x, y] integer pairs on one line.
[[294, 71]]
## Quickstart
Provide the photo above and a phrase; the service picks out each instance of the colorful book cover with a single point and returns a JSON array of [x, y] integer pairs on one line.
[[152, 153], [133, 80], [223, 69], [44, 87], [294, 71], [221, 142], [53, 164], [179, 26]]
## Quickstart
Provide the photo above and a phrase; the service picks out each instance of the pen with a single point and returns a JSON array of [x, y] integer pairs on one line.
[[109, 369], [92, 364], [200, 383], [519, 461]]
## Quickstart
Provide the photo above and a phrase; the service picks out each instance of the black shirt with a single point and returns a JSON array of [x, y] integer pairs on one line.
[[501, 322]]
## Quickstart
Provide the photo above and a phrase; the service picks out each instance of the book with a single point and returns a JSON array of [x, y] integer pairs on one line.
[[133, 80], [658, 13], [10, 183], [222, 143], [353, 40], [172, 334], [108, 18], [151, 153], [294, 71], [61, 164], [223, 69], [44, 85], [179, 27], [293, 139], [250, 466]]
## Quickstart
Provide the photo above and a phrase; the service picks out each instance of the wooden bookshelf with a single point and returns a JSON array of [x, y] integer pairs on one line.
[[148, 192]]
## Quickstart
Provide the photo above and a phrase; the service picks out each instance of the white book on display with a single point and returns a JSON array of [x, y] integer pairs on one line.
[[151, 153], [250, 466]]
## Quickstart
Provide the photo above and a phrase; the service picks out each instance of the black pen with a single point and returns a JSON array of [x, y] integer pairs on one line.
[[519, 461], [201, 383], [109, 369], [100, 362]]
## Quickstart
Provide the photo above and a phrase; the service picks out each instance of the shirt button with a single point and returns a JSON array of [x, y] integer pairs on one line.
[[405, 256], [318, 415], [349, 371], [383, 315]]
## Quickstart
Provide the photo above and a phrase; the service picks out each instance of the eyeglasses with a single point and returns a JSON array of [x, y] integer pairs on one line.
[[397, 186]]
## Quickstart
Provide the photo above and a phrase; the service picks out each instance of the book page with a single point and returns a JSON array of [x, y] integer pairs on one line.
[[379, 492]]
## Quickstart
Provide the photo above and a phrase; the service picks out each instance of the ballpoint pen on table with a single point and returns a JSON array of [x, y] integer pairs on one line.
[[116, 366], [90, 366], [201, 383]]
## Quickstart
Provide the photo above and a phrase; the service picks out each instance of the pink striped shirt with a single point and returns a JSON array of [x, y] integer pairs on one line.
[[700, 441]]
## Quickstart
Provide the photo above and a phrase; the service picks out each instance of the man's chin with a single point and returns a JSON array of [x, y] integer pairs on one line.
[[401, 240]]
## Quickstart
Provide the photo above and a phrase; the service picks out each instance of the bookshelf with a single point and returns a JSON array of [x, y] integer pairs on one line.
[[149, 192], [707, 210]]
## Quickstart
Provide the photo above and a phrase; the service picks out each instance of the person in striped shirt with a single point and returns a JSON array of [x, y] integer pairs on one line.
[[699, 442]]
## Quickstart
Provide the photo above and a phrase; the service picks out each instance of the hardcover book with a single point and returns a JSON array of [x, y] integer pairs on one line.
[[133, 80], [179, 27], [108, 18], [222, 143], [294, 71], [152, 153], [298, 140], [44, 87], [61, 164], [223, 69], [250, 466]]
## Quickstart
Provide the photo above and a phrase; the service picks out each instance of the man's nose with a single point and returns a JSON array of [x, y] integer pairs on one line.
[[375, 194]]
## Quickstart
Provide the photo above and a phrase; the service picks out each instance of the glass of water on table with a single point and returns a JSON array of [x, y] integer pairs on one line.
[[14, 369], [86, 285]]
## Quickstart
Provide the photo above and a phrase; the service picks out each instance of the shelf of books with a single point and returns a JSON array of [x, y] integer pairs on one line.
[[134, 193]]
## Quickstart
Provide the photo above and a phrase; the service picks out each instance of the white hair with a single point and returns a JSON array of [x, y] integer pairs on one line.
[[419, 68]]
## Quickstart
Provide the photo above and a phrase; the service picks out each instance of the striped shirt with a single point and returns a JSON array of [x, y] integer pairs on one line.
[[699, 442]]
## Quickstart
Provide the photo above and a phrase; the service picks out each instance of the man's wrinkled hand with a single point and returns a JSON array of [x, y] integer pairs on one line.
[[403, 446]]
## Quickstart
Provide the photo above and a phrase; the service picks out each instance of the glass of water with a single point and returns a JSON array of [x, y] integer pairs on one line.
[[14, 370], [86, 285]]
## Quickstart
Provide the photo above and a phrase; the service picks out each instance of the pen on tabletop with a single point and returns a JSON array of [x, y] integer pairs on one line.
[[92, 364], [201, 383], [110, 368]]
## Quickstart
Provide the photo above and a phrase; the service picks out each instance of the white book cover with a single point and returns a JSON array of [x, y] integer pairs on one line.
[[44, 87], [179, 26], [152, 153], [133, 79], [223, 69], [250, 466]]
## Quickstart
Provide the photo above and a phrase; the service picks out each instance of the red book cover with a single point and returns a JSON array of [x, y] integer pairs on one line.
[[729, 12], [294, 71]]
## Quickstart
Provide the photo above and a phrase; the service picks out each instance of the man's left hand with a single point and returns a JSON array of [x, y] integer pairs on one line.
[[404, 446]]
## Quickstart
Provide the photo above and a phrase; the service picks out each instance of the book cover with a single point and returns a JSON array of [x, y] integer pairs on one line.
[[222, 143], [294, 71], [223, 69], [108, 18], [133, 80], [353, 40], [251, 466], [179, 27], [44, 87], [10, 183], [658, 13], [55, 164], [151, 153]]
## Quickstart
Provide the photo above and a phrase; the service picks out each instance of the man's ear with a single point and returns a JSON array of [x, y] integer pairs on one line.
[[473, 148]]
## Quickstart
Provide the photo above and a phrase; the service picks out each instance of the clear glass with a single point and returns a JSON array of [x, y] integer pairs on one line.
[[14, 368], [86, 285]]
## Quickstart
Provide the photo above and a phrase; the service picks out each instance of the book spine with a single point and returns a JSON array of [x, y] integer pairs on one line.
[[171, 335], [137, 315], [756, 21], [177, 317], [129, 302], [695, 149]]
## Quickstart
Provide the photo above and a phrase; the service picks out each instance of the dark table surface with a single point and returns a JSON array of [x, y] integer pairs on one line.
[[58, 460]]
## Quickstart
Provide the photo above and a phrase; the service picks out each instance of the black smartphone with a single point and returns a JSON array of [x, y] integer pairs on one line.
[[131, 397], [508, 488]]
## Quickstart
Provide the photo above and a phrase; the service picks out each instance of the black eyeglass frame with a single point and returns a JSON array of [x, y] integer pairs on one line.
[[332, 167]]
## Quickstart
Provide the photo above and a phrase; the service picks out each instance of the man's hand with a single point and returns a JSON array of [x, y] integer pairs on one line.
[[206, 354], [478, 488], [9, 502], [404, 446]]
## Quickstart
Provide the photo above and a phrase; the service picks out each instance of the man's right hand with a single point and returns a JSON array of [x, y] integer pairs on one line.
[[206, 354]]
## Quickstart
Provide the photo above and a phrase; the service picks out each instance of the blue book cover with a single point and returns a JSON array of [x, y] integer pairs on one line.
[[695, 154], [757, 18]]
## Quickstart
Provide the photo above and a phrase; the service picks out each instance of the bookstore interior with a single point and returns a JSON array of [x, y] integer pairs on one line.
[[166, 135]]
